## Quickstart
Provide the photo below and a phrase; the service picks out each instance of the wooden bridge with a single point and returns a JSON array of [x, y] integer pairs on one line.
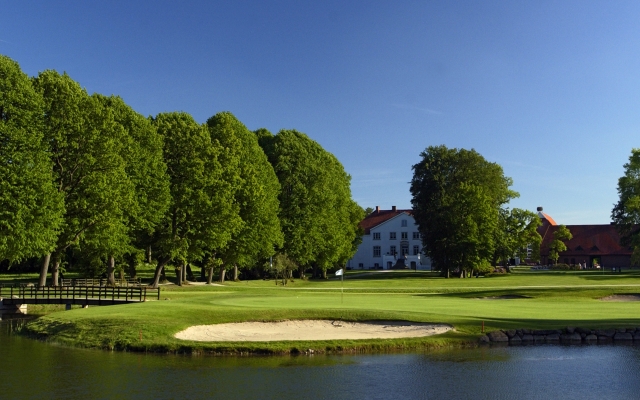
[[16, 295]]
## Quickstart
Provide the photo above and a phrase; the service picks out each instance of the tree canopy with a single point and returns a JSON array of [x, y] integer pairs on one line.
[[626, 212], [517, 230], [255, 191], [202, 214], [30, 206], [318, 217], [86, 146], [457, 201], [557, 244]]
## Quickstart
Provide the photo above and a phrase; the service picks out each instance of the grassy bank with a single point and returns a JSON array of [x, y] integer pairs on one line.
[[540, 300]]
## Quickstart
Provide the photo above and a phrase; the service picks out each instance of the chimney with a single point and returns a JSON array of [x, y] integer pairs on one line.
[[377, 209], [393, 208], [539, 208]]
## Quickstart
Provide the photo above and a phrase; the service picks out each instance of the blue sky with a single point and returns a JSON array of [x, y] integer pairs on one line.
[[550, 90]]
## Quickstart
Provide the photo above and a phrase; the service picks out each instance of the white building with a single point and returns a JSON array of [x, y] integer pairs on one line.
[[390, 239]]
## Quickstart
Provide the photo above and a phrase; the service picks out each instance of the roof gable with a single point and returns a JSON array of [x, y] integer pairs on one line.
[[380, 217]]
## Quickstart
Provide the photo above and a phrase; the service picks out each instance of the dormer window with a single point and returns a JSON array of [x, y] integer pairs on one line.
[[404, 222]]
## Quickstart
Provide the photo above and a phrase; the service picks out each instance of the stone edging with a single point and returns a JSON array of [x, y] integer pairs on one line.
[[568, 335]]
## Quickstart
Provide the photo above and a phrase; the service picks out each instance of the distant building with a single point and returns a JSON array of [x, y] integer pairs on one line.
[[590, 244], [390, 240]]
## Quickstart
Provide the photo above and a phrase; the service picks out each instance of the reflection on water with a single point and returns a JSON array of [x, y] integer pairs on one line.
[[534, 372]]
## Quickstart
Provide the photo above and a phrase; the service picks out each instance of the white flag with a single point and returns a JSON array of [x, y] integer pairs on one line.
[[339, 272]]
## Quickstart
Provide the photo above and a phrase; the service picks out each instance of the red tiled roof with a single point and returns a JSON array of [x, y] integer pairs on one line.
[[377, 217], [587, 240], [547, 217]]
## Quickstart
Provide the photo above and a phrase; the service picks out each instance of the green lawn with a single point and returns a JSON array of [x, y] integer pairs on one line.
[[549, 300]]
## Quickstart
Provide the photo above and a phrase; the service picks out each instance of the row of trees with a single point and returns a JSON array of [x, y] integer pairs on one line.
[[460, 206], [86, 175]]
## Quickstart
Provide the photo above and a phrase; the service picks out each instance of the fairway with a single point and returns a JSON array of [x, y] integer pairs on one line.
[[522, 299]]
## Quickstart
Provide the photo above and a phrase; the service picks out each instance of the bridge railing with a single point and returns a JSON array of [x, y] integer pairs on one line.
[[126, 293], [100, 282]]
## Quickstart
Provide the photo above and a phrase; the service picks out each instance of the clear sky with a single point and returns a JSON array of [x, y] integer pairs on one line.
[[548, 89]]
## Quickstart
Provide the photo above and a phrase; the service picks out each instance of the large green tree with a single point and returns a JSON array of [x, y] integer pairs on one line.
[[317, 214], [202, 214], [517, 230], [457, 198], [87, 147], [626, 212], [255, 190], [142, 150], [30, 206]]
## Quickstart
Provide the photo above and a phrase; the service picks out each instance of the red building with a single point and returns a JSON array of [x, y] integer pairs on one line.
[[591, 244]]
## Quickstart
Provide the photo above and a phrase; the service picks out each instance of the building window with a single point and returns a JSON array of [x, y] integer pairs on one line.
[[416, 235], [376, 235], [392, 235], [389, 265], [376, 265], [376, 251], [392, 250], [404, 235], [404, 250], [404, 222], [416, 250], [360, 265]]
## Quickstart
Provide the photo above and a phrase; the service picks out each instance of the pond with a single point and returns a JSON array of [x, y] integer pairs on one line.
[[34, 369]]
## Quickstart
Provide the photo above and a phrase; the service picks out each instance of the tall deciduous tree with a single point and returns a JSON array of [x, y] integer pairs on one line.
[[30, 206], [557, 244], [145, 168], [256, 190], [316, 210], [517, 230], [202, 213], [626, 212], [457, 198], [86, 147]]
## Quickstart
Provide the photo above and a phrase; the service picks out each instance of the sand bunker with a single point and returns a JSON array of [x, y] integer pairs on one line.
[[622, 297], [309, 330]]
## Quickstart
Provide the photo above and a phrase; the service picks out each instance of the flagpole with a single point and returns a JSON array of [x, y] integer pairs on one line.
[[342, 288]]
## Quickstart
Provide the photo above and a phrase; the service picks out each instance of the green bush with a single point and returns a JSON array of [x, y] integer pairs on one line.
[[565, 267]]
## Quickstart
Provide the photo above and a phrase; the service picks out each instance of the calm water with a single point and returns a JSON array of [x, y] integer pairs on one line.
[[40, 371]]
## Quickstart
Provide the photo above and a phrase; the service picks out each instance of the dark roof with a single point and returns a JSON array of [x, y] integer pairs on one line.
[[378, 217], [587, 240]]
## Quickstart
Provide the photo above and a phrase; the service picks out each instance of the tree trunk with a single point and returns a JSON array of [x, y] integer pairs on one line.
[[132, 268], [235, 273], [209, 275], [148, 254], [301, 271], [111, 267], [223, 272], [315, 270], [324, 273], [159, 273], [55, 273], [44, 270], [179, 274], [189, 273]]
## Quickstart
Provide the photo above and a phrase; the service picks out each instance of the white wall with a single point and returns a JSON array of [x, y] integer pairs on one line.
[[364, 255]]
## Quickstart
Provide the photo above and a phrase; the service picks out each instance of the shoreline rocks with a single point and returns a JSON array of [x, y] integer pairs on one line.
[[569, 335]]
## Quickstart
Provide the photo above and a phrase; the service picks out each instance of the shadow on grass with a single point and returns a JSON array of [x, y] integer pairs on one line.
[[528, 294]]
